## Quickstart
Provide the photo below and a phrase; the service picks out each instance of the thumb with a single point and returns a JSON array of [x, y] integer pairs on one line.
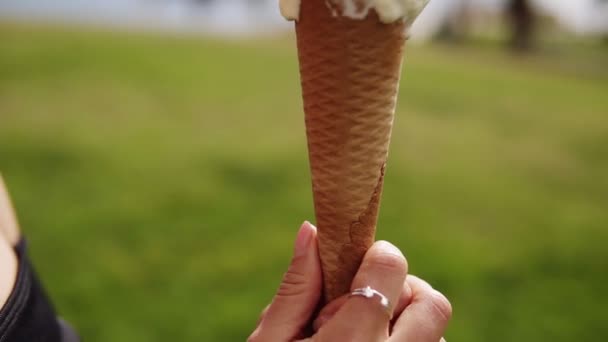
[[297, 297]]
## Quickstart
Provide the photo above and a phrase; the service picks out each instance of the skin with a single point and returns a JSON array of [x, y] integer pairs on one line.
[[9, 227], [8, 273], [9, 233], [419, 314]]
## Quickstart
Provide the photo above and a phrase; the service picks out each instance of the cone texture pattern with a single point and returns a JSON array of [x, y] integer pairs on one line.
[[350, 77]]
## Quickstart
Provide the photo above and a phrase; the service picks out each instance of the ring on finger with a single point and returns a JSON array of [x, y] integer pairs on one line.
[[368, 292]]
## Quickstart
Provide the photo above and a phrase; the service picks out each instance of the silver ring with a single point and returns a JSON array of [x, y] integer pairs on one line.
[[368, 292]]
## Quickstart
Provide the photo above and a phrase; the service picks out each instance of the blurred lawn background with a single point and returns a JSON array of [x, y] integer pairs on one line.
[[161, 180]]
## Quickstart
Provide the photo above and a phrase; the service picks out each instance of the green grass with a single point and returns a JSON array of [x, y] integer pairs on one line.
[[161, 180]]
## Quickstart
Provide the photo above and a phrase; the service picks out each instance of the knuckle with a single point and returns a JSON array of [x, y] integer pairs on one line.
[[389, 262], [293, 284], [440, 306], [263, 314], [255, 336]]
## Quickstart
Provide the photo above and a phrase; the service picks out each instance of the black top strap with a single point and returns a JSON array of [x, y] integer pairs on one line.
[[28, 315]]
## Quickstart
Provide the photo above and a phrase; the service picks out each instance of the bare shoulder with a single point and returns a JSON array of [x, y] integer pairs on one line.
[[8, 270], [9, 227]]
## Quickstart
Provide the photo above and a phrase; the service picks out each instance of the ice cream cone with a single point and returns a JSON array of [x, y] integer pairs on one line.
[[350, 71]]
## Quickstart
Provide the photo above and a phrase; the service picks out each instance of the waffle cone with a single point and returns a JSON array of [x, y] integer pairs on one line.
[[350, 77]]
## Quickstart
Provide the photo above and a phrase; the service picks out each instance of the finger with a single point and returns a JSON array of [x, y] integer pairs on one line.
[[404, 300], [328, 312], [332, 308], [426, 318], [8, 221], [296, 300], [263, 314], [364, 319]]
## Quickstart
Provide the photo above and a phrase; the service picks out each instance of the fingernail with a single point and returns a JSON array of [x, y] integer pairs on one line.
[[304, 238], [389, 248]]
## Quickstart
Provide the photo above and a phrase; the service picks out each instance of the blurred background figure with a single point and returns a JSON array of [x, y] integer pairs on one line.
[[521, 19], [156, 155], [248, 16]]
